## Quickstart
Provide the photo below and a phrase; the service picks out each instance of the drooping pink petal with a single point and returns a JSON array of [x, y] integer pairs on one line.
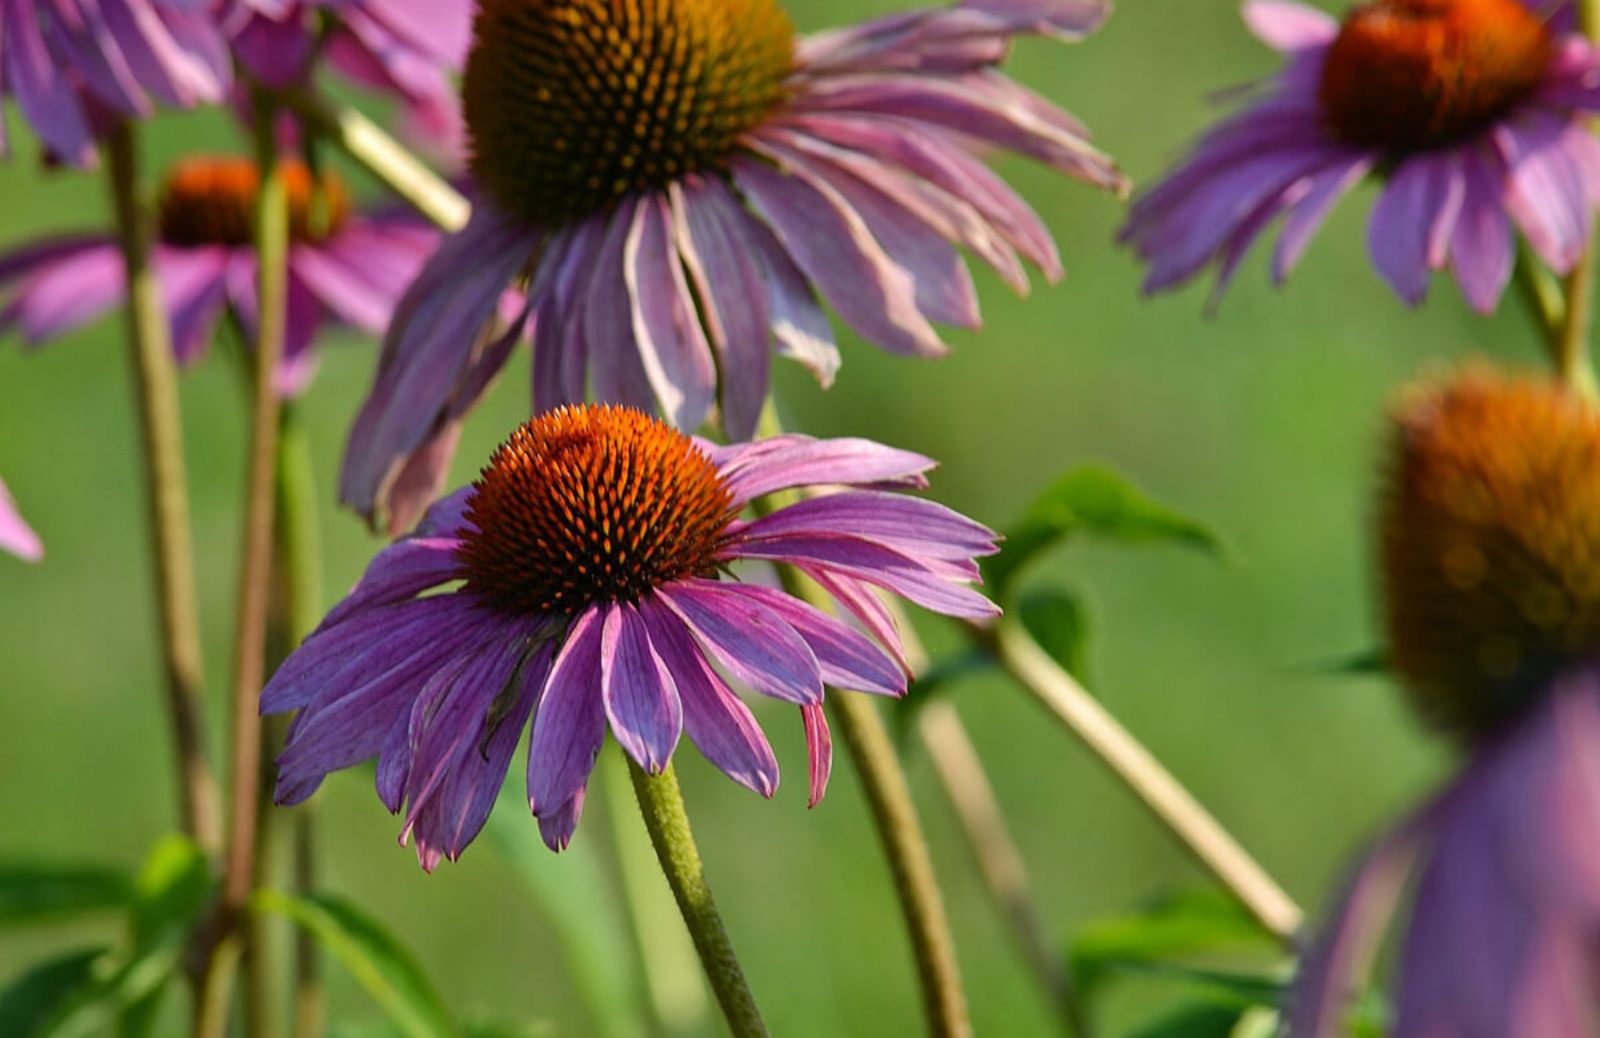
[[16, 536], [672, 345], [1412, 224], [1482, 251], [641, 698], [752, 642], [569, 721], [794, 460], [847, 659], [819, 750]]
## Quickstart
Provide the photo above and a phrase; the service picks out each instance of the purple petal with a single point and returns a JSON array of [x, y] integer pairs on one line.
[[718, 723], [401, 571], [1482, 250], [608, 327], [819, 750], [876, 564], [797, 321], [672, 345], [67, 293], [751, 641], [641, 698], [1285, 25], [784, 462], [847, 659], [1306, 216], [42, 87], [1551, 163], [16, 536], [569, 721], [194, 286], [1412, 224], [556, 827], [909, 524]]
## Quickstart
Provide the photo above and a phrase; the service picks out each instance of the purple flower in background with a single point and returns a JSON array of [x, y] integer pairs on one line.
[[1471, 111], [407, 48], [16, 536], [343, 265], [1490, 548], [591, 566], [673, 207], [70, 64]]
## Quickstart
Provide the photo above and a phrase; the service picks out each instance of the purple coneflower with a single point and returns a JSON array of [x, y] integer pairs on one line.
[[68, 64], [342, 264], [403, 47], [16, 536], [673, 182], [1470, 110], [1491, 560], [585, 580]]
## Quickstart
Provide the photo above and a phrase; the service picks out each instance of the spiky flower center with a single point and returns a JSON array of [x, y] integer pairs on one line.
[[211, 200], [572, 104], [1413, 74], [1491, 545], [589, 504]]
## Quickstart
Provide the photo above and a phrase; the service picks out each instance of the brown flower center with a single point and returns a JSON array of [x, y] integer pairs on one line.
[[1413, 74], [572, 104], [592, 503], [211, 200], [1491, 545]]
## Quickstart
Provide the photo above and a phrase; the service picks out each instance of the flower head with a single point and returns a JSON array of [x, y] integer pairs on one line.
[[1490, 527], [16, 536], [671, 186], [587, 580], [1471, 111], [343, 264], [70, 63], [407, 48]]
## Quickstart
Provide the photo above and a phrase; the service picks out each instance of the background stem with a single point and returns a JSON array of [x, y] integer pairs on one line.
[[167, 492], [661, 803], [1164, 795]]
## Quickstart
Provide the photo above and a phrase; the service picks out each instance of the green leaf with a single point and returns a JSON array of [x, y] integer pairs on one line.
[[43, 992], [570, 892], [1098, 502], [33, 893], [1185, 924], [1060, 623], [377, 960], [1194, 1020]]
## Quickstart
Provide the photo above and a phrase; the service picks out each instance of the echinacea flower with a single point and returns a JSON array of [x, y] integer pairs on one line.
[[1491, 561], [1471, 112], [407, 48], [16, 536], [672, 183], [585, 580], [67, 63], [343, 264]]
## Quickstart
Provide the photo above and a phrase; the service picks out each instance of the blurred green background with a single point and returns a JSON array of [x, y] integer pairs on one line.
[[1263, 421]]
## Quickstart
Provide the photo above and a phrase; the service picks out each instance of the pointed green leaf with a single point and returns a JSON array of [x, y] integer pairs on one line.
[[1098, 502], [1060, 623], [34, 893], [42, 993], [1194, 1020], [1185, 924], [377, 960]]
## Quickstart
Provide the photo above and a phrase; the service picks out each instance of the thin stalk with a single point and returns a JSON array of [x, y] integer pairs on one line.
[[661, 803], [675, 997], [382, 156], [255, 576], [960, 770], [167, 491], [1543, 296], [1164, 795], [1573, 362]]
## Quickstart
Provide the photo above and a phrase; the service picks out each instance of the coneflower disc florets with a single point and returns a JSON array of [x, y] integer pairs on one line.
[[1416, 74], [572, 104], [211, 200], [588, 504], [1491, 545]]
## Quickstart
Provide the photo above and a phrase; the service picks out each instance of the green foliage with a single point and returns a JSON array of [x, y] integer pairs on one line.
[[570, 892], [933, 683], [1192, 1020], [1100, 503], [31, 893], [373, 956], [1059, 622], [41, 994]]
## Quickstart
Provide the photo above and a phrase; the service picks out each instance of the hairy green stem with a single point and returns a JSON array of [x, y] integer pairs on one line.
[[661, 803], [382, 156], [255, 574], [1173, 805], [167, 492]]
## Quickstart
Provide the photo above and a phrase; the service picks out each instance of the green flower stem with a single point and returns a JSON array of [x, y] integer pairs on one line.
[[1570, 342], [674, 995], [664, 816], [1173, 805], [172, 541], [382, 156], [255, 575]]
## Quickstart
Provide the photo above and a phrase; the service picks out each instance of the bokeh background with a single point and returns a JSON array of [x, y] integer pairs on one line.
[[1263, 421]]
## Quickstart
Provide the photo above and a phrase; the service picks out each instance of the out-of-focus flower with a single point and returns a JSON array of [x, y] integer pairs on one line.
[[592, 587], [343, 265], [1470, 111], [675, 185], [1491, 561], [408, 48], [16, 536], [70, 64]]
